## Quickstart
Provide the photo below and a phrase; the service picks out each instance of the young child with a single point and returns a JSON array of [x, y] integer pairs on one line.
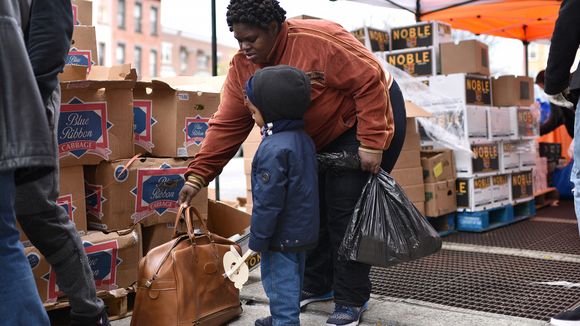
[[285, 217]]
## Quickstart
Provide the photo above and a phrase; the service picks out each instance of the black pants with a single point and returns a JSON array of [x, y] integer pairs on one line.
[[339, 192]]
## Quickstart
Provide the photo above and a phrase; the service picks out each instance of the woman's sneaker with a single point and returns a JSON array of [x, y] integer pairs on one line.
[[346, 315], [567, 318], [307, 297], [266, 321]]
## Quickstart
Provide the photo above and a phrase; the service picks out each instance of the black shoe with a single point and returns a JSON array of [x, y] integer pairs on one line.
[[101, 320], [266, 321], [567, 318]]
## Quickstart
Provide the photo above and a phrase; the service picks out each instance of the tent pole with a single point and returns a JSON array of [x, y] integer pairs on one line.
[[418, 11], [526, 56], [214, 72]]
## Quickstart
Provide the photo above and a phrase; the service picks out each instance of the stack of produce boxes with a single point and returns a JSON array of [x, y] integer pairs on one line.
[[440, 198], [407, 171]]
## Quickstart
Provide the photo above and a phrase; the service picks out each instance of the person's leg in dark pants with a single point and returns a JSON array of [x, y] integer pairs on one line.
[[19, 301]]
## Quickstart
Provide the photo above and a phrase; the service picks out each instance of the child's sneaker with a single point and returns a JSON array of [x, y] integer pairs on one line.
[[307, 297], [345, 315], [567, 318], [266, 321]]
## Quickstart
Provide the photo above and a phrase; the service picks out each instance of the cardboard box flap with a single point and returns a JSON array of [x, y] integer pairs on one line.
[[125, 239], [97, 84], [72, 73], [120, 72], [414, 110], [225, 220], [190, 84]]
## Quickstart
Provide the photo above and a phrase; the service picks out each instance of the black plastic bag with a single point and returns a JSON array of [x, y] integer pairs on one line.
[[336, 161], [386, 228]]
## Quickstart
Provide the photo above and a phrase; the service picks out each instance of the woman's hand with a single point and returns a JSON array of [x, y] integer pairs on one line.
[[186, 194], [369, 161]]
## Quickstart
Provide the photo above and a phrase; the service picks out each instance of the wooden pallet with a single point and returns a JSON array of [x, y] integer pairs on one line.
[[119, 305], [494, 218], [547, 197]]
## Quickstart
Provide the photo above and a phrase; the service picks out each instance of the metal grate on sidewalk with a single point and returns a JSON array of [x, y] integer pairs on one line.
[[485, 282], [529, 235]]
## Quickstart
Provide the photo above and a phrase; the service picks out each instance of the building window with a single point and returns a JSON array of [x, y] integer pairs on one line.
[[121, 14], [166, 53], [153, 13], [101, 53], [138, 59], [202, 60], [138, 13], [120, 54], [183, 59], [153, 63]]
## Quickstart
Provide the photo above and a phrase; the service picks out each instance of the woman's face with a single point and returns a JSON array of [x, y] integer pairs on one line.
[[256, 43]]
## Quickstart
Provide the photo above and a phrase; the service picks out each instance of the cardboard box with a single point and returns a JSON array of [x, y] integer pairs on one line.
[[303, 17], [474, 194], [408, 159], [248, 164], [484, 159], [408, 177], [500, 123], [440, 198], [114, 259], [412, 138], [470, 57], [472, 121], [415, 193], [82, 12], [415, 62], [510, 156], [146, 191], [374, 39], [255, 135], [522, 186], [96, 120], [501, 189], [234, 224], [528, 154], [420, 35], [513, 91], [83, 50], [172, 117], [470, 89], [437, 165], [527, 124], [71, 198], [250, 148]]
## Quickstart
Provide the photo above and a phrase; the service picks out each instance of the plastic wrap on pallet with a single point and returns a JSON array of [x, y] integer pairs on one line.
[[450, 134]]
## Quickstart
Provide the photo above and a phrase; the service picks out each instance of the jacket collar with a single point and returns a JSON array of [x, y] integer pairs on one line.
[[281, 125], [279, 46]]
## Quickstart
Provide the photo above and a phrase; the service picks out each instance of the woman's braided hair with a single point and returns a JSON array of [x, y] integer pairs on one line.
[[257, 13]]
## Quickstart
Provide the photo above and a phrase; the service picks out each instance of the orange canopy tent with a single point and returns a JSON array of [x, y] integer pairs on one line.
[[526, 20]]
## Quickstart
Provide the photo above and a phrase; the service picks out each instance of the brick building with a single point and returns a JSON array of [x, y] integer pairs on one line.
[[130, 31]]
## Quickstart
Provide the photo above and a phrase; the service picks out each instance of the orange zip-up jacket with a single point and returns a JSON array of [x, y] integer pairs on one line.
[[348, 86]]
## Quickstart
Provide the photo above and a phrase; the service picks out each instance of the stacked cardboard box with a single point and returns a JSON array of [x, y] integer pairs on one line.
[[407, 171], [415, 48], [552, 152], [83, 51], [439, 177]]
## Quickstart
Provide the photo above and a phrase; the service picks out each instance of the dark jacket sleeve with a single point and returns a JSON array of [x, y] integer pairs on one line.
[[565, 42], [48, 37], [269, 184]]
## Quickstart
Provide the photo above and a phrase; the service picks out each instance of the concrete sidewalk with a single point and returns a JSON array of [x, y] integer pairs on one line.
[[382, 311]]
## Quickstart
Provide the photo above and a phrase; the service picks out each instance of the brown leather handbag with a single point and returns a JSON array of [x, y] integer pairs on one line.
[[181, 282]]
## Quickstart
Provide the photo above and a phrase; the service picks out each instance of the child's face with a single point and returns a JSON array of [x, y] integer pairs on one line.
[[256, 115]]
